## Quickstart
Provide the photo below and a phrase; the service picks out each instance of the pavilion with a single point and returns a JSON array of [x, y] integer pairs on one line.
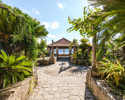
[[61, 47]]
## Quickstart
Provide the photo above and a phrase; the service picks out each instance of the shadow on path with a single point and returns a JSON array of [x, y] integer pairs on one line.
[[78, 70], [63, 69], [73, 68]]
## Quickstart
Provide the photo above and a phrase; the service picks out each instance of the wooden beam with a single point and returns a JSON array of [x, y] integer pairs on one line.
[[52, 49]]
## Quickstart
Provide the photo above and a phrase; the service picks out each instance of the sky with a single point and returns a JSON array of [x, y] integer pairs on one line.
[[53, 14]]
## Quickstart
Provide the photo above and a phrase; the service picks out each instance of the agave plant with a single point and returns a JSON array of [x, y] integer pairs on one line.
[[112, 71], [13, 69]]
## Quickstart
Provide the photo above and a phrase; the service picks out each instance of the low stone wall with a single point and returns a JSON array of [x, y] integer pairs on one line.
[[99, 88], [47, 61], [19, 90]]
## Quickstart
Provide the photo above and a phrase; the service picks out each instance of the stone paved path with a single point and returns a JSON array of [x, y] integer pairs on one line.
[[61, 81]]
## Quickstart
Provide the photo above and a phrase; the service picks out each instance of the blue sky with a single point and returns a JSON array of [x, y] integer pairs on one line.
[[53, 14]]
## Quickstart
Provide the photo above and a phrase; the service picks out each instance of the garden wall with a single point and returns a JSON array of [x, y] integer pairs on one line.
[[19, 90], [99, 88]]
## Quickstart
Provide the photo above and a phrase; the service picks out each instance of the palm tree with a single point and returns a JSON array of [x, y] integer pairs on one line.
[[40, 30], [85, 26], [73, 44], [114, 21]]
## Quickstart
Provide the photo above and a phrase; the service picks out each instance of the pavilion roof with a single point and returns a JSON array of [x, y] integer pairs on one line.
[[61, 43]]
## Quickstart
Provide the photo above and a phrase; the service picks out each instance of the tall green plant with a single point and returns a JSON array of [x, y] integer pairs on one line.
[[112, 71], [19, 30], [13, 69]]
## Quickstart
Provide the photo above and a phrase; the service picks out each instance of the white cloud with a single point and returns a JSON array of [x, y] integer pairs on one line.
[[51, 25], [35, 11], [52, 36], [54, 25], [60, 5]]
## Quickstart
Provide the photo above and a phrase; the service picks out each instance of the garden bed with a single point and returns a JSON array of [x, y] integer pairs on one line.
[[46, 61], [19, 90], [100, 89], [79, 61]]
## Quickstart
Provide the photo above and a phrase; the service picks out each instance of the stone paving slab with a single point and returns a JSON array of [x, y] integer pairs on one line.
[[61, 81]]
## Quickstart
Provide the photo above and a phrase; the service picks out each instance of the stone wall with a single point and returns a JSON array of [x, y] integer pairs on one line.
[[19, 90], [99, 88]]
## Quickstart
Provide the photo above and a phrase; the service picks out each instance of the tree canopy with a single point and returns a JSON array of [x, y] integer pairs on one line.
[[19, 30]]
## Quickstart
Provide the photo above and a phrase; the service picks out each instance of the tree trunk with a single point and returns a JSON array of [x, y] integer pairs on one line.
[[94, 71], [123, 50], [94, 52]]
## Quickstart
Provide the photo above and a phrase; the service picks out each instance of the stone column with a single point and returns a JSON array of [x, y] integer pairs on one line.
[[63, 51], [57, 52], [52, 49], [48, 49], [70, 51]]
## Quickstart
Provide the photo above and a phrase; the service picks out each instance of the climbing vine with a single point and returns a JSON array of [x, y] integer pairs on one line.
[[18, 31]]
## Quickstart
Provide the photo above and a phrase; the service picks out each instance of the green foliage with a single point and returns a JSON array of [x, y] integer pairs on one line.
[[32, 49], [85, 24], [40, 30], [74, 55], [106, 22], [75, 41], [85, 41], [79, 53], [113, 71], [42, 46], [13, 69], [19, 29]]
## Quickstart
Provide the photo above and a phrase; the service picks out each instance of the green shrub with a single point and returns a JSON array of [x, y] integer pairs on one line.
[[79, 53], [112, 71], [74, 56], [13, 69]]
